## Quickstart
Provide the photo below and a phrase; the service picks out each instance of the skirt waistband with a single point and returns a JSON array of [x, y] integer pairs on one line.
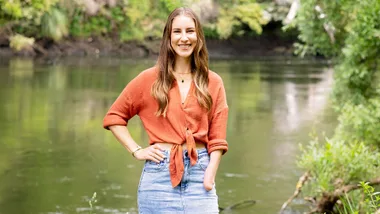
[[200, 152]]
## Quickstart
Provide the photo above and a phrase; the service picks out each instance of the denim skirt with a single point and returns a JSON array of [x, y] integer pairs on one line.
[[156, 194]]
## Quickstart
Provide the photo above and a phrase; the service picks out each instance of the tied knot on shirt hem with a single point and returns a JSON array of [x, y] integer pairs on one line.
[[176, 166]]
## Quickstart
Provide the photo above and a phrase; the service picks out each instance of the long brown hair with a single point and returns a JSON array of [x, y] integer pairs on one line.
[[166, 60]]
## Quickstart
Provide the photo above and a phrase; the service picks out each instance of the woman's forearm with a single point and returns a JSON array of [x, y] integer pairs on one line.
[[210, 173], [215, 158], [124, 137]]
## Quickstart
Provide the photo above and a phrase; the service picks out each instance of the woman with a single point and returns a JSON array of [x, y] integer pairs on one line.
[[183, 107]]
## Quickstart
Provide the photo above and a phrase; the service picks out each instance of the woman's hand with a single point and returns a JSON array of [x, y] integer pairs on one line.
[[153, 153], [209, 179]]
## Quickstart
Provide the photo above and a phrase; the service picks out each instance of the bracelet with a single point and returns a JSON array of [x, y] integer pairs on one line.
[[137, 149]]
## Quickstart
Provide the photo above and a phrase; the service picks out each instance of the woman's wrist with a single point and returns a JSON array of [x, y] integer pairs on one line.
[[135, 150]]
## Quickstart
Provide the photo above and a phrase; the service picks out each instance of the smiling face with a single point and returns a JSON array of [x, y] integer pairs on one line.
[[183, 37]]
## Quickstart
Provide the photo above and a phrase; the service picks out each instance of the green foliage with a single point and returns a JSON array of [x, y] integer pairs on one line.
[[34, 18], [316, 17], [172, 4], [24, 13], [84, 26], [54, 24], [136, 13], [30, 10], [360, 122], [12, 9], [356, 204], [337, 163], [234, 18], [356, 75], [210, 31], [372, 199], [19, 42], [128, 20]]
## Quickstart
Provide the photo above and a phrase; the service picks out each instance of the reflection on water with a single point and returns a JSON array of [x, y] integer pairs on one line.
[[54, 153]]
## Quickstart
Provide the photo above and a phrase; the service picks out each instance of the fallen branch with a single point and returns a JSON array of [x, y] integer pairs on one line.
[[238, 205], [40, 49], [348, 188], [328, 200], [311, 200], [302, 180]]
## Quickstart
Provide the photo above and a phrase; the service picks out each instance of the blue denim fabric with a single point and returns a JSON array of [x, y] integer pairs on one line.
[[156, 194]]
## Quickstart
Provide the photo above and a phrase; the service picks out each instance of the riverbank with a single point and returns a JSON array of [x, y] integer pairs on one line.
[[272, 42]]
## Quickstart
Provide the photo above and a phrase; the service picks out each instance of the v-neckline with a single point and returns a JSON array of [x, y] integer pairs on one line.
[[184, 100]]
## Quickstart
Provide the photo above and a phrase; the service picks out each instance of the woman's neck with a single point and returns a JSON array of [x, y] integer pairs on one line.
[[182, 65]]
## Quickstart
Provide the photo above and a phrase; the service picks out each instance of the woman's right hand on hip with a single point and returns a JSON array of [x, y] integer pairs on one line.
[[153, 153]]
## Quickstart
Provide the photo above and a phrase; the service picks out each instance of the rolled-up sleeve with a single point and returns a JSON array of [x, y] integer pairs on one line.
[[218, 124], [125, 106]]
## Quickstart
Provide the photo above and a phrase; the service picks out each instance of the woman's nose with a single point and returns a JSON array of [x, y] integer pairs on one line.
[[184, 37]]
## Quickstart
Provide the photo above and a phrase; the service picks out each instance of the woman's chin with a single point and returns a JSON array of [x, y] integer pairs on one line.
[[186, 54]]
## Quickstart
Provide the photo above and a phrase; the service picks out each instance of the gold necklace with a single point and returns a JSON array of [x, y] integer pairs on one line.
[[183, 79]]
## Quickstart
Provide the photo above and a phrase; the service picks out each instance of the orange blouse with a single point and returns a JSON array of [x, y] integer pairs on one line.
[[184, 123]]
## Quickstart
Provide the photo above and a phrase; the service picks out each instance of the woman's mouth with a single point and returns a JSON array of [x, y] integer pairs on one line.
[[184, 46]]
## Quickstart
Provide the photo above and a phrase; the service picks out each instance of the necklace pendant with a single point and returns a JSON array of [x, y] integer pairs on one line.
[[183, 81]]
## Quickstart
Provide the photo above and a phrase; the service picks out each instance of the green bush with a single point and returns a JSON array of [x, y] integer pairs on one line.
[[210, 32], [336, 163], [19, 42], [25, 16], [54, 24], [360, 123], [233, 18]]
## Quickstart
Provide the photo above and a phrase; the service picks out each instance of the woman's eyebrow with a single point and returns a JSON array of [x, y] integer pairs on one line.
[[189, 28]]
